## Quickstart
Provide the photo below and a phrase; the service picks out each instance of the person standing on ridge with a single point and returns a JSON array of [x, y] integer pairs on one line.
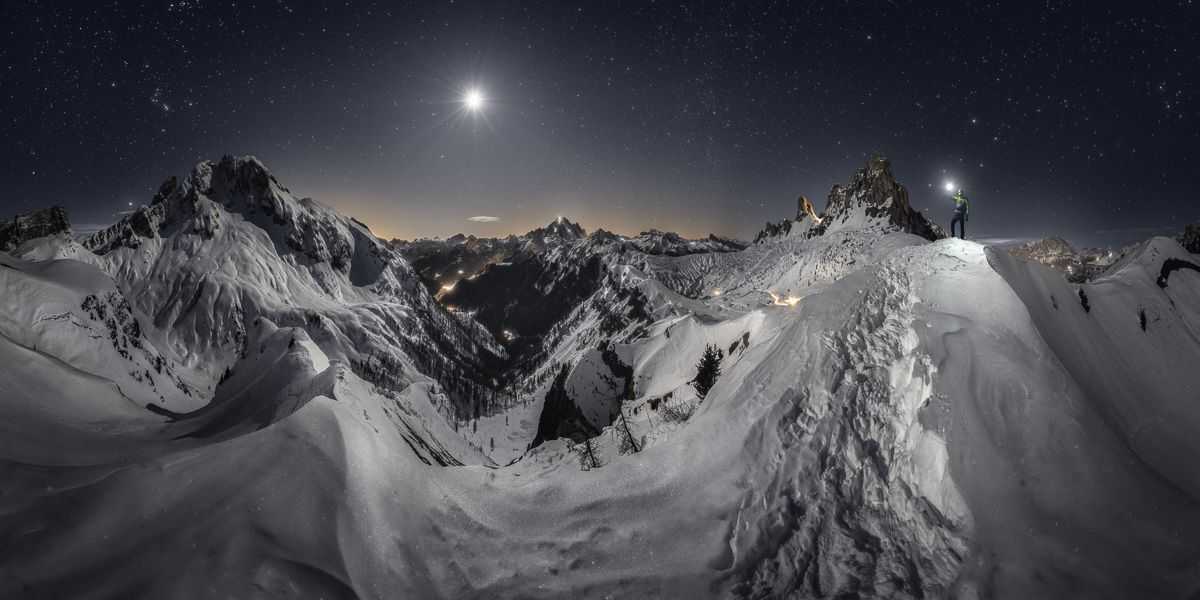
[[960, 215]]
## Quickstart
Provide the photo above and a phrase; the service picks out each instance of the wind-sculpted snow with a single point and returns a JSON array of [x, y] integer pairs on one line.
[[894, 418], [853, 496]]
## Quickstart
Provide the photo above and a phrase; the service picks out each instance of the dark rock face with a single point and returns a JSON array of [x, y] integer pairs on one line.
[[560, 417], [39, 223], [1190, 238]]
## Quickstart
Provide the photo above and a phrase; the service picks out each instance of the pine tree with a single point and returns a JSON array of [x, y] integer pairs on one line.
[[708, 370]]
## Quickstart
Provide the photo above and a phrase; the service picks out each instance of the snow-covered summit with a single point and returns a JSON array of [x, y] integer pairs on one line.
[[228, 247], [244, 187]]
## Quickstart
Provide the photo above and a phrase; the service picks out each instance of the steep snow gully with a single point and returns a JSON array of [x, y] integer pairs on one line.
[[236, 393]]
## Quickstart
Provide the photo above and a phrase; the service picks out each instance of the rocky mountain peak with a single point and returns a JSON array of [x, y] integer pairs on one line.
[[564, 228], [32, 225], [560, 229], [872, 196], [874, 189]]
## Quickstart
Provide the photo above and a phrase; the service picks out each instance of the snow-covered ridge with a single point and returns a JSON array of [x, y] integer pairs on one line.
[[666, 243], [243, 186], [894, 417]]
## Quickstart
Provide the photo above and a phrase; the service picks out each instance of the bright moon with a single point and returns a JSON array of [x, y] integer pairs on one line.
[[473, 99]]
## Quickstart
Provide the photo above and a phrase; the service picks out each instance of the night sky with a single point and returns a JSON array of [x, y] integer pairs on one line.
[[1078, 119]]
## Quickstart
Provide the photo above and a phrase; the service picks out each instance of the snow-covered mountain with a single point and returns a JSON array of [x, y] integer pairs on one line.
[[666, 243], [1056, 253], [895, 417], [219, 255]]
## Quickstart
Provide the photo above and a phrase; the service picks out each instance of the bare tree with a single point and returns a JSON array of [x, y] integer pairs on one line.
[[587, 455], [626, 442]]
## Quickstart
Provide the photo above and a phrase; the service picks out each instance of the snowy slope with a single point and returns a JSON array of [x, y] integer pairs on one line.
[[71, 312], [895, 418]]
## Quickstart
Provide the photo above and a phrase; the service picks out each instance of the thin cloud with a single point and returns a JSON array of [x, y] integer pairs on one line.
[[483, 219]]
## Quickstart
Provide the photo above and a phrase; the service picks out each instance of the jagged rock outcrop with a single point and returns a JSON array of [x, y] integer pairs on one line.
[[774, 230], [873, 198], [874, 189], [36, 224]]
